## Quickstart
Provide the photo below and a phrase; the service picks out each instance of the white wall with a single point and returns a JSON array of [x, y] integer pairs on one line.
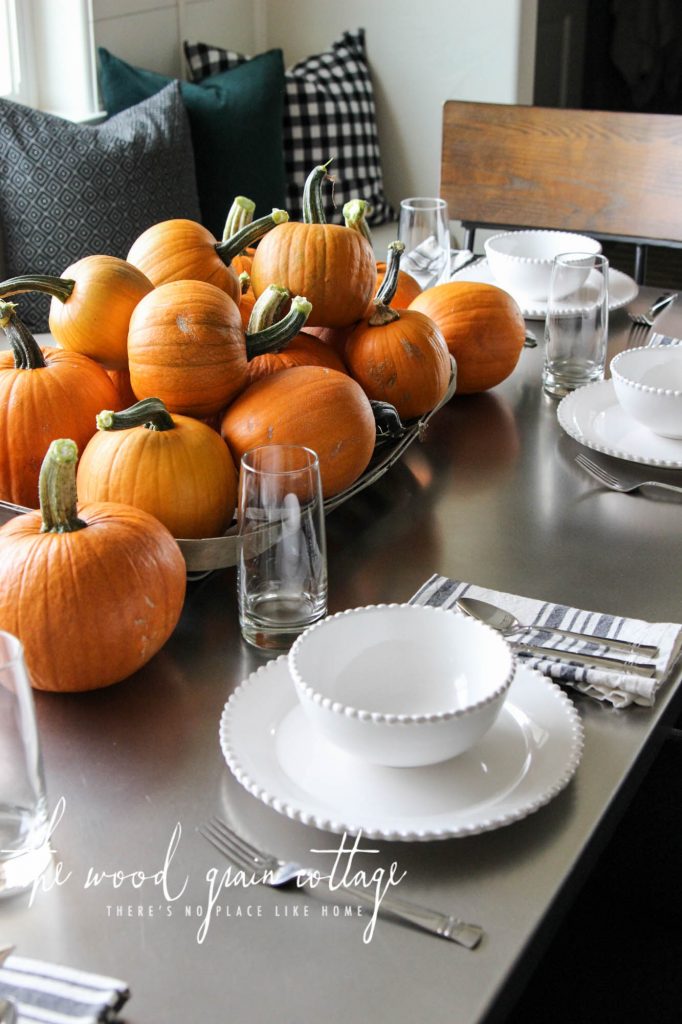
[[421, 52]]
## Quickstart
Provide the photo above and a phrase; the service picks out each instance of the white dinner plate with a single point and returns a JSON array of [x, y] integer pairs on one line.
[[525, 759], [622, 289], [593, 416]]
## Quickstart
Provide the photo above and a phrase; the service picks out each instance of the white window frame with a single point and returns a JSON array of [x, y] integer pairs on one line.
[[16, 24]]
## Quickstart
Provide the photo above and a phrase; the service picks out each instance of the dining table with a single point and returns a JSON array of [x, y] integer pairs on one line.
[[491, 495]]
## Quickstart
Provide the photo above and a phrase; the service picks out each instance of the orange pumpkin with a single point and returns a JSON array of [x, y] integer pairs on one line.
[[44, 393], [174, 467], [183, 250], [482, 326], [331, 264], [310, 405], [297, 347], [106, 585], [121, 381], [186, 347], [399, 356], [92, 303]]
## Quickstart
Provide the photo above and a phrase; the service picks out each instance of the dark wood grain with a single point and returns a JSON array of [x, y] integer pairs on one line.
[[580, 170]]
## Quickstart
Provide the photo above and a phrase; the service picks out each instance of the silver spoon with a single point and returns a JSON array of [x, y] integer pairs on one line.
[[509, 625]]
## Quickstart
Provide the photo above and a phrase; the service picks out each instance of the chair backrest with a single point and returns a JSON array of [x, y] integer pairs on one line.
[[609, 174]]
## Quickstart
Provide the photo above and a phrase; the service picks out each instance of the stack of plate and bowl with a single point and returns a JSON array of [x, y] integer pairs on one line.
[[402, 722]]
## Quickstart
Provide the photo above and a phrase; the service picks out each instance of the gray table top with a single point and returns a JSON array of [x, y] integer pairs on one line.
[[493, 496]]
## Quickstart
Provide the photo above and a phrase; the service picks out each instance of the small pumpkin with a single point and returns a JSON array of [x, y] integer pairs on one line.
[[184, 250], [121, 381], [174, 467], [92, 303], [105, 590], [44, 393], [310, 405], [399, 356], [483, 328], [331, 264], [297, 347]]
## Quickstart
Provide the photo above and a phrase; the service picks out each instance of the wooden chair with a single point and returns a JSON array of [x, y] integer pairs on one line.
[[610, 175]]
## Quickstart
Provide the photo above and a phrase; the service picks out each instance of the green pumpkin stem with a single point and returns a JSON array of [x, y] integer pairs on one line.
[[383, 314], [59, 287], [268, 308], [240, 214], [277, 336], [313, 207], [244, 282], [150, 413], [387, 419], [57, 488], [249, 234], [355, 212], [25, 348]]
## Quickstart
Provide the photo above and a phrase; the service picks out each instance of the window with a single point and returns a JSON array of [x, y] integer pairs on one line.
[[16, 81]]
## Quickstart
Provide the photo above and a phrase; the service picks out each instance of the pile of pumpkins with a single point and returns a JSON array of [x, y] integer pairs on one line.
[[172, 363]]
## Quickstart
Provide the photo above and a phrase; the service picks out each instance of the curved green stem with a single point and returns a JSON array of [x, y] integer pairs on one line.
[[240, 214], [57, 488], [387, 419], [59, 287], [383, 314], [355, 212], [244, 282], [150, 413], [249, 234], [25, 348], [313, 207], [276, 337], [268, 308]]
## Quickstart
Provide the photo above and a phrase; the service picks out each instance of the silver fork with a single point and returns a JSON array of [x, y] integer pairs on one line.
[[278, 873], [647, 318], [614, 484]]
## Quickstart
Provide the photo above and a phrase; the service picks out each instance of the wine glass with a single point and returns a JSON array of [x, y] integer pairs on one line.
[[424, 227]]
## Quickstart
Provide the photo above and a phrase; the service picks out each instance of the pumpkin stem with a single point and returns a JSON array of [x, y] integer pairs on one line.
[[355, 212], [275, 337], [249, 234], [387, 420], [383, 314], [59, 287], [313, 207], [244, 282], [25, 348], [240, 214], [57, 488], [150, 413], [268, 308]]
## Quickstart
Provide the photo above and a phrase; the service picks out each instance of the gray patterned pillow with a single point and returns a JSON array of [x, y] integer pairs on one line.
[[70, 190]]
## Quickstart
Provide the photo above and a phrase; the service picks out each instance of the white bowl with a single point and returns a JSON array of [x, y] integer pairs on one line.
[[521, 261], [401, 685], [648, 385]]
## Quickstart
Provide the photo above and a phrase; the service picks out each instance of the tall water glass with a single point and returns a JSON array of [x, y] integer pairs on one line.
[[282, 568], [24, 845], [424, 227], [577, 324]]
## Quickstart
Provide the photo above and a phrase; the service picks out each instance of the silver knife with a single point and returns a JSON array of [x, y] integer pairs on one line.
[[589, 660]]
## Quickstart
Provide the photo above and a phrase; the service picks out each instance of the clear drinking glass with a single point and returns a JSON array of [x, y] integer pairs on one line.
[[24, 846], [577, 324], [424, 227], [282, 568]]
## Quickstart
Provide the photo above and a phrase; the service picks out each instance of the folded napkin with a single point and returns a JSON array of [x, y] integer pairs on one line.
[[604, 684], [58, 995], [422, 262]]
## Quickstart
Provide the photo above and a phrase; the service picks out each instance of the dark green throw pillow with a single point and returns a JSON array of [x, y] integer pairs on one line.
[[236, 124]]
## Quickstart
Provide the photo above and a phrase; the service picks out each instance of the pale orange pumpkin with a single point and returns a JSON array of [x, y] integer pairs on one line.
[[174, 467], [105, 590], [483, 328], [44, 394], [92, 303]]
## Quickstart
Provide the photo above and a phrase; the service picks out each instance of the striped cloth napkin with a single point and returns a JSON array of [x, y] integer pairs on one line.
[[615, 687], [53, 994]]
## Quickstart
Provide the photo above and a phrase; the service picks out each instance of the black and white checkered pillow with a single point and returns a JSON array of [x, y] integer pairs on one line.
[[328, 112]]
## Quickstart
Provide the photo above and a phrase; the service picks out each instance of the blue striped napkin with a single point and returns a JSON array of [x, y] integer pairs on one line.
[[607, 685], [52, 994]]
